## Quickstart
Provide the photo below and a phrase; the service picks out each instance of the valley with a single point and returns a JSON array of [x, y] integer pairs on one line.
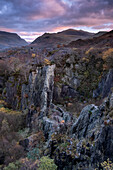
[[56, 102]]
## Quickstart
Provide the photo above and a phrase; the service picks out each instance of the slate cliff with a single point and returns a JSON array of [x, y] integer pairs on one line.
[[87, 138]]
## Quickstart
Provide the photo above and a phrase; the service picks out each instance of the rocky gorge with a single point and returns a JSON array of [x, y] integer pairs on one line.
[[59, 110]]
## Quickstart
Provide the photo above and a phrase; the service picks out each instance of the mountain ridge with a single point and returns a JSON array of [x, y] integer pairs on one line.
[[63, 37], [105, 39], [9, 40]]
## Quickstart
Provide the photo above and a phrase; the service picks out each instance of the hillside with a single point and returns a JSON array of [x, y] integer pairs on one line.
[[105, 40], [63, 37], [9, 40]]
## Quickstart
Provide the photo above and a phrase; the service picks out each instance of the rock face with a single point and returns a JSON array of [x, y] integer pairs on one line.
[[35, 96], [73, 142], [69, 81], [111, 101], [91, 127], [90, 118], [57, 121], [39, 89], [104, 146], [104, 86]]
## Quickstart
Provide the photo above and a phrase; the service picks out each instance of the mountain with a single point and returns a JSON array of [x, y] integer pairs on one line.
[[100, 33], [104, 40], [9, 40], [63, 37]]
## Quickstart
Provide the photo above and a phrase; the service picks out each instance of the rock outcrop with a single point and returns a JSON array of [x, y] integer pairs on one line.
[[105, 85], [34, 96], [39, 89], [89, 120]]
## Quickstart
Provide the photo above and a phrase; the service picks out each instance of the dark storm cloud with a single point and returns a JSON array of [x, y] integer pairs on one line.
[[51, 15]]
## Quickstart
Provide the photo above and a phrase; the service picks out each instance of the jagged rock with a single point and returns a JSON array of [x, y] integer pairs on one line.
[[38, 91], [13, 92], [111, 101], [105, 85], [75, 83], [88, 123], [103, 146], [69, 71], [90, 126], [50, 126], [40, 88], [65, 115], [57, 122]]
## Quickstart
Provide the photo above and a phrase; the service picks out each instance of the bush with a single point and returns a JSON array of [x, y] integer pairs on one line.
[[33, 154], [13, 166], [108, 58], [47, 164]]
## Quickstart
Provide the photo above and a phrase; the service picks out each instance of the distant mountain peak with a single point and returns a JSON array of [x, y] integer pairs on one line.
[[63, 37], [9, 40]]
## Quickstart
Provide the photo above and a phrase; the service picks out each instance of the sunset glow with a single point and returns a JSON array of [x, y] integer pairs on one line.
[[31, 19]]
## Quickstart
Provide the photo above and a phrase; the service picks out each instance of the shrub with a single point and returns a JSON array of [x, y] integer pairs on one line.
[[107, 165], [4, 68], [47, 164], [33, 55], [107, 53], [27, 164], [5, 126], [108, 58], [13, 166], [34, 154], [89, 50], [47, 62]]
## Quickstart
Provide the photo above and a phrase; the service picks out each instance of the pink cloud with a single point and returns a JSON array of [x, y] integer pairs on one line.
[[7, 29], [49, 9]]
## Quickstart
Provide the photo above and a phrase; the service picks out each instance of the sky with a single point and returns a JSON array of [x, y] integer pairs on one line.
[[32, 18]]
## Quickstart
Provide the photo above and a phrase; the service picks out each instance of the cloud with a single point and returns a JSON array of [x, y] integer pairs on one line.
[[38, 16]]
